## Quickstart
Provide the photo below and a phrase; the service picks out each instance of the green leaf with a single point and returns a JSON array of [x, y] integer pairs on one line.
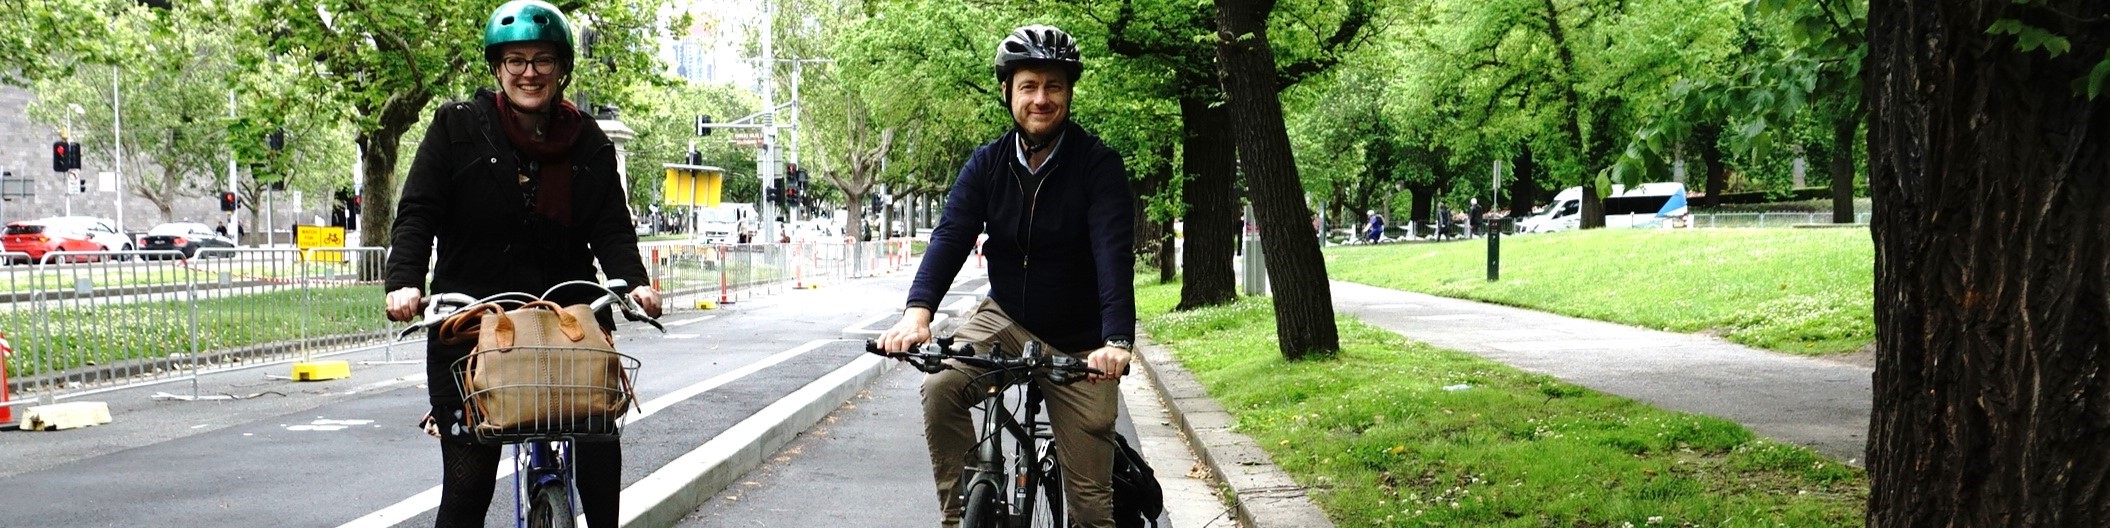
[[2094, 80]]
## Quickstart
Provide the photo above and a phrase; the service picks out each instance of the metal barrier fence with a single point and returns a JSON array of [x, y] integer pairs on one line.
[[730, 273], [85, 323], [1768, 219]]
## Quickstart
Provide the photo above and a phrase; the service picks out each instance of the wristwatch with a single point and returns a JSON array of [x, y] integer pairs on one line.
[[1121, 343]]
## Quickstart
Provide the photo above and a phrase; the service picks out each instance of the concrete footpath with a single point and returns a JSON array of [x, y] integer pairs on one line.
[[1821, 404]]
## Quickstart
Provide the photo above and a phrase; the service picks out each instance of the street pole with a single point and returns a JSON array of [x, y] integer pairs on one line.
[[1494, 231], [234, 228], [767, 162], [117, 137]]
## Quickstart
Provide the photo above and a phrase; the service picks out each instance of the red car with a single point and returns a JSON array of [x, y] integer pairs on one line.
[[67, 233]]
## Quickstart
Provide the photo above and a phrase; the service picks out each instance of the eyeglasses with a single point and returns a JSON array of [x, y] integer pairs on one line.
[[544, 65]]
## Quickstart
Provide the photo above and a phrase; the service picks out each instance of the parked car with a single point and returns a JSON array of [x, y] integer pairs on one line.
[[62, 233], [187, 237]]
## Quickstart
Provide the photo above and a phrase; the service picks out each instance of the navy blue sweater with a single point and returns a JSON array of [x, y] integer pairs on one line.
[[1061, 252]]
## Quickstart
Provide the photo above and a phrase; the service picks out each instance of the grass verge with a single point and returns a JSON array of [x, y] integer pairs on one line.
[[1803, 291], [1383, 437]]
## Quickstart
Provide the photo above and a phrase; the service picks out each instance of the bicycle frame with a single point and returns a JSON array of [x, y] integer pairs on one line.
[[1024, 428]]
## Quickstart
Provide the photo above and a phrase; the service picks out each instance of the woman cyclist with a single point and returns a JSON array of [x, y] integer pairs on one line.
[[520, 189]]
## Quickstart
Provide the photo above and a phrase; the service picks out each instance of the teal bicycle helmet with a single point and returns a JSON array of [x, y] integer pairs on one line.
[[529, 21]]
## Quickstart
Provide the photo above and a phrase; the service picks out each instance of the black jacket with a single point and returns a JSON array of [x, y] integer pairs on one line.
[[464, 190], [1061, 256]]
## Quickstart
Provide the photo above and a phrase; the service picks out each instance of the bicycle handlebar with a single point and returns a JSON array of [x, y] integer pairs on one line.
[[440, 306], [931, 360]]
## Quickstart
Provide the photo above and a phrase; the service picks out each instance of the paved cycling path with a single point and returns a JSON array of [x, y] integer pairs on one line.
[[1816, 403], [865, 465]]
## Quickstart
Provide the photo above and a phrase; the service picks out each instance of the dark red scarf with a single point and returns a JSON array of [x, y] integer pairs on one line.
[[552, 186]]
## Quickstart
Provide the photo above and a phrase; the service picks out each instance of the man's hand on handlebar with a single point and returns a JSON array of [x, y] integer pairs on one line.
[[1111, 362], [403, 304], [913, 329]]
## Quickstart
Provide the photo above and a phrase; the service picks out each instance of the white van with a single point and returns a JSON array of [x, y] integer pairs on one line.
[[727, 223], [1647, 205]]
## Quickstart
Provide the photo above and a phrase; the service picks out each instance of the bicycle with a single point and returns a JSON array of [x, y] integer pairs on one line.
[[998, 494], [544, 491]]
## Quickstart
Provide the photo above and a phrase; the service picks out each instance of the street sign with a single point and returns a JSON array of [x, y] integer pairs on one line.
[[106, 182], [308, 237], [693, 185]]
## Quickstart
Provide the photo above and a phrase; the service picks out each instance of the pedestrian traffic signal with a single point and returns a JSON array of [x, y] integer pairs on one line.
[[227, 201]]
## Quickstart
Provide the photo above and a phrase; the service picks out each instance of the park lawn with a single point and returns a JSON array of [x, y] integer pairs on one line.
[[1379, 440], [1803, 291]]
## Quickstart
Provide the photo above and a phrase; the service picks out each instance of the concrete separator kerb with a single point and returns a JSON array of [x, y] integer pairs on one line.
[[670, 493], [1265, 495]]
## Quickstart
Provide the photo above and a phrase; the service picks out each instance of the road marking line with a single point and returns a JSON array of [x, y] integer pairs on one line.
[[688, 321], [430, 498]]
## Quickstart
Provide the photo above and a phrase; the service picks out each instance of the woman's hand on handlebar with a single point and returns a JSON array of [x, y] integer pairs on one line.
[[913, 329], [404, 303], [647, 300]]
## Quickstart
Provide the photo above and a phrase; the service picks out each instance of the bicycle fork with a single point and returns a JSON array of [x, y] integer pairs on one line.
[[538, 464]]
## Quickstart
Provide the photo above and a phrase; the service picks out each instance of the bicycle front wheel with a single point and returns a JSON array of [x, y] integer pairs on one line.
[[1043, 494], [550, 507], [982, 508]]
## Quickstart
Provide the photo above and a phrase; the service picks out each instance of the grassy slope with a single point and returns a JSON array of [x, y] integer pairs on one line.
[[1805, 291], [1382, 443]]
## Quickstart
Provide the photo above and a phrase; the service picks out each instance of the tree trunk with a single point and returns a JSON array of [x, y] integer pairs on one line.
[[1212, 214], [1296, 271], [1843, 165], [854, 225], [378, 152], [1422, 211], [1707, 138], [1992, 279], [1523, 183]]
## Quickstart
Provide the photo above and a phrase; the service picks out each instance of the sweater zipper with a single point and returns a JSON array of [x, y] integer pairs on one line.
[[1032, 205]]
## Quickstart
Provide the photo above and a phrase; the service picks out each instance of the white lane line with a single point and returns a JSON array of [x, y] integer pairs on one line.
[[430, 498], [384, 383], [691, 320], [680, 336]]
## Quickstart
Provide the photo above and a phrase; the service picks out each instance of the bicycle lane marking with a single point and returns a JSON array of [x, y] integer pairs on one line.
[[430, 498]]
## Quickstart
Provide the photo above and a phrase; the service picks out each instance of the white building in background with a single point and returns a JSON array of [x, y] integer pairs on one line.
[[713, 48]]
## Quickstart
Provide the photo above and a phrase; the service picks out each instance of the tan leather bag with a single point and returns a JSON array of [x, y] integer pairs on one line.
[[538, 368]]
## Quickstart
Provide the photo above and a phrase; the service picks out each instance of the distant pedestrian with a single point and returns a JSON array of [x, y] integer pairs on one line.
[[1443, 221], [1472, 219], [1377, 227]]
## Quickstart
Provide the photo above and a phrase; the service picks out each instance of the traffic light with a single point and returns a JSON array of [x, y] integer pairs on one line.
[[227, 202], [73, 155], [703, 125], [276, 140], [695, 158], [61, 160], [80, 184]]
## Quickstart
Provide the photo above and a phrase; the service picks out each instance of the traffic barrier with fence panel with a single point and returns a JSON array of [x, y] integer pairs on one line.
[[83, 323]]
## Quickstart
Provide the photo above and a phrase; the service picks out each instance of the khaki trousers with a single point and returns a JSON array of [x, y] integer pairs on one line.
[[1082, 415]]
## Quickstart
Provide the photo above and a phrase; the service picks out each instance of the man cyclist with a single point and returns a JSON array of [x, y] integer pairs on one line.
[[1057, 208]]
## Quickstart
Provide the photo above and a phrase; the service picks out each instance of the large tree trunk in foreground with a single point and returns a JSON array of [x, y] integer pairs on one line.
[[1296, 272], [1212, 213], [1992, 193]]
